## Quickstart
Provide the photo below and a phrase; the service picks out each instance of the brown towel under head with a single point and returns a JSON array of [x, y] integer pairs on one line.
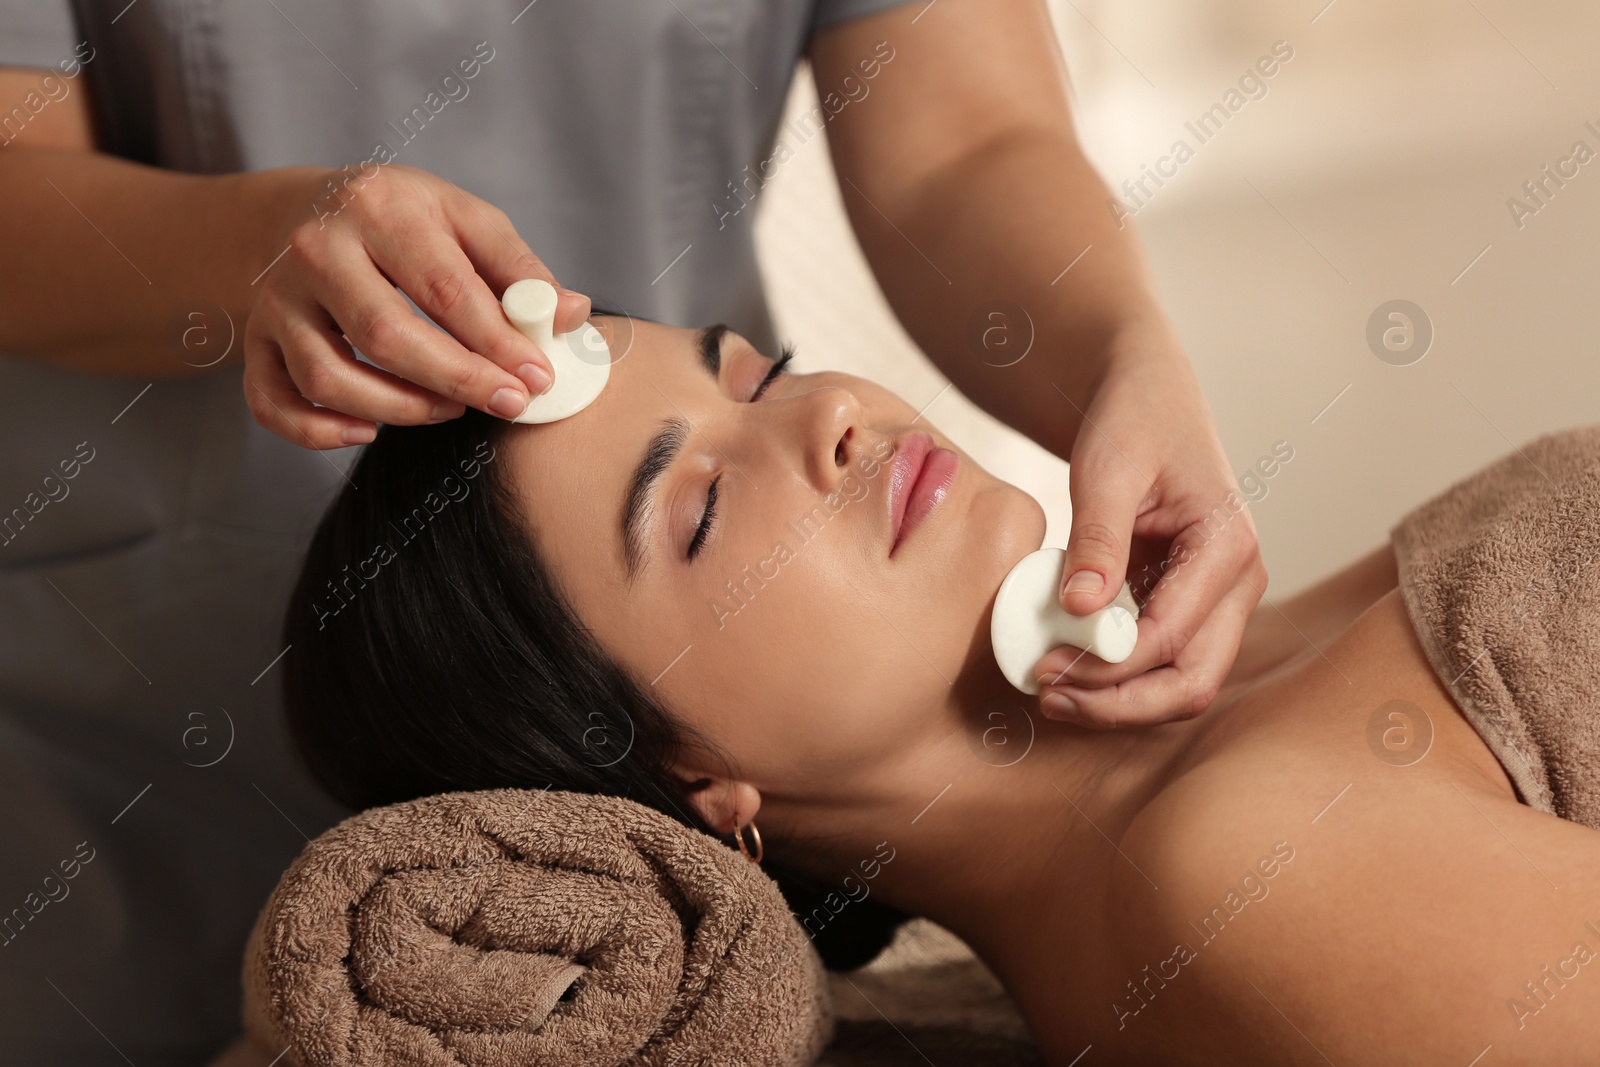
[[1501, 580], [515, 927]]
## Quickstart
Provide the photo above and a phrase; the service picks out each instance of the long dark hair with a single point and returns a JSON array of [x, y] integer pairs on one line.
[[430, 651]]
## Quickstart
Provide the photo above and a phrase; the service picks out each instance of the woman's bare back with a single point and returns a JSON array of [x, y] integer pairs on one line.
[[1339, 871]]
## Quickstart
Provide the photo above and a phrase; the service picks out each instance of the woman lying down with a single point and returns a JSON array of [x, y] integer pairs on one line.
[[1351, 857]]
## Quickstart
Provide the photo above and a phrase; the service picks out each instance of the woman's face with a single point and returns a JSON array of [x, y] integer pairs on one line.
[[787, 632]]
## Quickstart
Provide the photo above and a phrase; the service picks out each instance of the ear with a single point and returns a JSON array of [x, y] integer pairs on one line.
[[722, 803]]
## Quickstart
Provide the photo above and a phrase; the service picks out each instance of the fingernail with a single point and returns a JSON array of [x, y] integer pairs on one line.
[[1060, 703], [444, 409], [358, 435], [508, 403], [579, 300], [536, 377], [1085, 582]]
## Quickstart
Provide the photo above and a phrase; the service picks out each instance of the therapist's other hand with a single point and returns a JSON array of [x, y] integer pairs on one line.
[[350, 246], [1155, 502]]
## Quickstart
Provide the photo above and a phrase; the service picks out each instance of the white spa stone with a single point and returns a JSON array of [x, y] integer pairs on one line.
[[581, 358], [1028, 620]]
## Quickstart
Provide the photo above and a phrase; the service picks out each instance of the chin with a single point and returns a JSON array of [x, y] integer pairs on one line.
[[1007, 524]]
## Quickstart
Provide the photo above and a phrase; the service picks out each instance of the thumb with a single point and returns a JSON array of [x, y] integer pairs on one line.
[[1105, 505], [572, 309], [501, 257]]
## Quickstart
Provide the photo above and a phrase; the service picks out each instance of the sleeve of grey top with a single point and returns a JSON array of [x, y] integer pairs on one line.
[[828, 12], [35, 33]]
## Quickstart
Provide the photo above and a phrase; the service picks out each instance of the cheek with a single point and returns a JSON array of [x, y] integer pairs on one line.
[[822, 647], [804, 634], [802, 674]]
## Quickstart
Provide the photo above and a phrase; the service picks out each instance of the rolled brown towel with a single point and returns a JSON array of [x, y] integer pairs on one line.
[[516, 927], [1501, 579]]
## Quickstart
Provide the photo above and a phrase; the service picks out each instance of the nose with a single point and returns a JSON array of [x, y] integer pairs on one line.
[[833, 430]]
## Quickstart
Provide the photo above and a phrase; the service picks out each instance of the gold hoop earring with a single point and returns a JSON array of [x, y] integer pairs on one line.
[[738, 835]]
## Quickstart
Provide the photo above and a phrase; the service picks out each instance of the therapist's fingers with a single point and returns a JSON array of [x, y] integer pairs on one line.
[[1181, 690], [335, 286], [431, 268], [1205, 564], [1107, 494], [277, 403], [501, 256], [379, 322], [325, 370]]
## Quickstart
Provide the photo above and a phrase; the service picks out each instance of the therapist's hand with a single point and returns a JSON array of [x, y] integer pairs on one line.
[[1153, 500], [336, 286]]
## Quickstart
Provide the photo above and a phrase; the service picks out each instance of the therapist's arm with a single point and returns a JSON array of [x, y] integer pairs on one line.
[[99, 254], [965, 185], [102, 259]]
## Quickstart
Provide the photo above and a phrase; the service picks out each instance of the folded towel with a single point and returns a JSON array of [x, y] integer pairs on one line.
[[1501, 580], [925, 997], [513, 927]]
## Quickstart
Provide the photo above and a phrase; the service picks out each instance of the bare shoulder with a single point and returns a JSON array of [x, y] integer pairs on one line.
[[1289, 902]]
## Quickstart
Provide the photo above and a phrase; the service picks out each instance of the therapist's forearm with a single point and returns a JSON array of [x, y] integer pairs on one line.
[[1001, 224], [103, 256]]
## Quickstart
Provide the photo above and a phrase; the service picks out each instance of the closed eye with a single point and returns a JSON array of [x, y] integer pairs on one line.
[[777, 368], [707, 517], [704, 529]]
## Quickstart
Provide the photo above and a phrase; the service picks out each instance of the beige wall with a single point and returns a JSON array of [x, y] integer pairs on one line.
[[1384, 153]]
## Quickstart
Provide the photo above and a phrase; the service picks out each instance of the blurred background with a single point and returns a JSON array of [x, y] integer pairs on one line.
[[1376, 167]]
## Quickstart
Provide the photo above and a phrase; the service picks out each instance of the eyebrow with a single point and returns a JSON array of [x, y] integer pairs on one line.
[[659, 454]]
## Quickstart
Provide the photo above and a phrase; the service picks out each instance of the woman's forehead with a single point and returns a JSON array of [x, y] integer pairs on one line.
[[571, 473]]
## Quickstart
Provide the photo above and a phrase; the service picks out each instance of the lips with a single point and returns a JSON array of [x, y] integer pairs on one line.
[[919, 479]]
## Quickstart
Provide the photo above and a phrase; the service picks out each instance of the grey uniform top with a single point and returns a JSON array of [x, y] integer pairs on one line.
[[149, 528]]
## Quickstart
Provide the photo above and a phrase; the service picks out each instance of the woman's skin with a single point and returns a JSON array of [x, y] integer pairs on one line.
[[855, 697]]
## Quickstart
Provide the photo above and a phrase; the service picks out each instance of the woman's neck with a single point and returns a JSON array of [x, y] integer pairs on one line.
[[998, 821]]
